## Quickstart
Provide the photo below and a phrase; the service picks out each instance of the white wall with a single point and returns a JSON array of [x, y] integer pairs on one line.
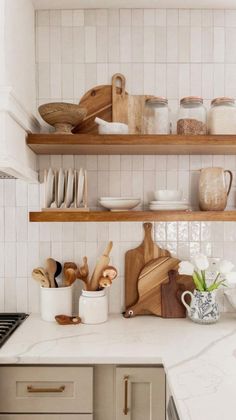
[[172, 53]]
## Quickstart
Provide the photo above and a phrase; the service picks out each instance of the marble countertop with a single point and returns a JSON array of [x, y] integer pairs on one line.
[[199, 360]]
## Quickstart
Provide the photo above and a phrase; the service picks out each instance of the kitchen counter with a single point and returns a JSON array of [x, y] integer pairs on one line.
[[199, 360]]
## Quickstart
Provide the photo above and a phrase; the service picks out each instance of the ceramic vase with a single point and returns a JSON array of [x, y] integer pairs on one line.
[[213, 191], [203, 307]]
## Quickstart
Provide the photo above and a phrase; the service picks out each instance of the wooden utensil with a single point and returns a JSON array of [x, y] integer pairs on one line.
[[135, 259], [82, 273], [110, 272], [67, 265], [41, 276], [150, 279], [171, 292], [102, 263], [67, 320], [104, 282], [51, 268], [70, 277], [119, 99]]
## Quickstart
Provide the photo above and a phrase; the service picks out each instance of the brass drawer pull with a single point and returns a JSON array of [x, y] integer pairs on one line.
[[31, 389], [125, 410]]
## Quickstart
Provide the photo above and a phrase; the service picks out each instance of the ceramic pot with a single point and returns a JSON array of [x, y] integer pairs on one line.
[[93, 307], [55, 301], [213, 191], [203, 308]]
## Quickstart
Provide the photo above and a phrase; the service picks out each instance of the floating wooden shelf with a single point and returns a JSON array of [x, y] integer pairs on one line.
[[132, 216], [90, 144]]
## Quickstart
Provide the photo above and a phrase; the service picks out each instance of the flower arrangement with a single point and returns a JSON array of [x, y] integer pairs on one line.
[[198, 267]]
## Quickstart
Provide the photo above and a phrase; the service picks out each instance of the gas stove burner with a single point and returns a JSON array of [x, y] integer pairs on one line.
[[8, 324]]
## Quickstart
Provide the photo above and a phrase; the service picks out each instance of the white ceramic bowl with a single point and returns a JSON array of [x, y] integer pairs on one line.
[[113, 128], [119, 203], [168, 195], [231, 296]]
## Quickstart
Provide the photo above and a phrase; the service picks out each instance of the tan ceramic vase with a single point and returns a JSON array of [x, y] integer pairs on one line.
[[213, 191]]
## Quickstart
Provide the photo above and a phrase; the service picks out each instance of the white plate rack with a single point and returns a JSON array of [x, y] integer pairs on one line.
[[65, 190]]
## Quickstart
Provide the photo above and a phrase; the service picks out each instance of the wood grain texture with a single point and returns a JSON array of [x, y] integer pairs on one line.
[[135, 259], [171, 291], [94, 144], [119, 99], [150, 280], [132, 216]]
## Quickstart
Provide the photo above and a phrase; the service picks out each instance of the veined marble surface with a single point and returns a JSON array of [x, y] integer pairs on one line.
[[200, 360]]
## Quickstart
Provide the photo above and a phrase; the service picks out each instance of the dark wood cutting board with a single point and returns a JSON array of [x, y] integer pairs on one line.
[[171, 292], [135, 260]]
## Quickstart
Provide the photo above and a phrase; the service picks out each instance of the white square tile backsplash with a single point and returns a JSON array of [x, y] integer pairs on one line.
[[163, 52]]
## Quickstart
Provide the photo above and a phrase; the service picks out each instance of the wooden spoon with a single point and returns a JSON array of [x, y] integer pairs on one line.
[[104, 282], [67, 320], [70, 276], [51, 268], [41, 276], [110, 272]]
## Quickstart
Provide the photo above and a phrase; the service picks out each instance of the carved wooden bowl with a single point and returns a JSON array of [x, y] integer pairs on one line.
[[62, 116]]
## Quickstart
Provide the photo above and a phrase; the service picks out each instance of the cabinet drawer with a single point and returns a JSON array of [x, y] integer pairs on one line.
[[46, 417], [35, 389]]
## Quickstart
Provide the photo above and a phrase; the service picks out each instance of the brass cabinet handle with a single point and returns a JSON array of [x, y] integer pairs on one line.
[[31, 389], [125, 409]]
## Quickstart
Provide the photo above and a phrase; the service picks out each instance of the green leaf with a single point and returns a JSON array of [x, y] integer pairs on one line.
[[215, 286], [198, 282], [204, 279]]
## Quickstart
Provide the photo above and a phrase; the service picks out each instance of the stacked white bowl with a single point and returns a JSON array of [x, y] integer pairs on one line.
[[168, 200]]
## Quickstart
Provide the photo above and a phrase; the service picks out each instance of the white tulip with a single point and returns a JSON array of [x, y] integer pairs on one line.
[[186, 268], [225, 267], [201, 262]]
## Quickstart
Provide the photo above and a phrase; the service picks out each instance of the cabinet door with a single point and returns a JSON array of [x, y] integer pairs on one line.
[[46, 417], [140, 393]]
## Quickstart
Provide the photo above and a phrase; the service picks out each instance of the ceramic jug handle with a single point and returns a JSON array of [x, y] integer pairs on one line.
[[183, 300], [230, 180]]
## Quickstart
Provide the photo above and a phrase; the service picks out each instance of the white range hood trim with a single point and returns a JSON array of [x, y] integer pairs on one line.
[[10, 104], [11, 167]]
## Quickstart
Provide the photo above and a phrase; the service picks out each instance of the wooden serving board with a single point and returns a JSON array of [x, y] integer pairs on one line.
[[171, 292], [98, 102], [135, 259], [151, 277], [128, 109]]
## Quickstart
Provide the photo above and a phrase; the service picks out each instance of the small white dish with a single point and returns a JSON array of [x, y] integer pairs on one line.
[[49, 188], [172, 203], [168, 195], [69, 188], [119, 203], [183, 207], [105, 127], [80, 188], [60, 187]]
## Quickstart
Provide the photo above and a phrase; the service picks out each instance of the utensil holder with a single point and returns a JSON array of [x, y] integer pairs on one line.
[[93, 307], [55, 301]]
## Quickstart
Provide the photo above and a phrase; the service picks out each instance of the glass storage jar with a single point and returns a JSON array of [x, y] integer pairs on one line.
[[192, 117], [222, 116], [156, 116]]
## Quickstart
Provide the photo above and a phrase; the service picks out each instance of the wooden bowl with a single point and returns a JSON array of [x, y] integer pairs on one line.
[[62, 116]]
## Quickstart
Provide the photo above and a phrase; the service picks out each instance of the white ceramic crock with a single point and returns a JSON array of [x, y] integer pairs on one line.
[[55, 301], [93, 307]]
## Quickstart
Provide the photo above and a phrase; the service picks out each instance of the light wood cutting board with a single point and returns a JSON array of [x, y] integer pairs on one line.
[[152, 276], [135, 259], [126, 108]]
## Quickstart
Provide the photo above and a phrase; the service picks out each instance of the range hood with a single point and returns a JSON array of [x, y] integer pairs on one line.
[[16, 159]]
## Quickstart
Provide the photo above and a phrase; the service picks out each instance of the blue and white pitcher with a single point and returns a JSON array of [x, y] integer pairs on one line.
[[203, 307]]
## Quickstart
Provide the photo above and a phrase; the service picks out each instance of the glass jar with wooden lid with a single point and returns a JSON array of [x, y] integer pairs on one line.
[[222, 116], [192, 116], [156, 116]]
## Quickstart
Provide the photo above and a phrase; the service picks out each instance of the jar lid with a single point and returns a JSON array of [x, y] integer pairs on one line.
[[223, 100], [157, 100], [191, 100]]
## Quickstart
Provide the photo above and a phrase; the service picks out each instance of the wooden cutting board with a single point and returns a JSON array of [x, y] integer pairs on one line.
[[150, 280], [126, 108], [135, 259], [98, 102], [171, 292]]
